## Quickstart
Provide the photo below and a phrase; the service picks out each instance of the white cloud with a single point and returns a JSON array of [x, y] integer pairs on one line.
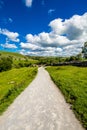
[[28, 3], [47, 40], [65, 38], [49, 51], [9, 46], [29, 46], [57, 26], [13, 36], [22, 51], [50, 11]]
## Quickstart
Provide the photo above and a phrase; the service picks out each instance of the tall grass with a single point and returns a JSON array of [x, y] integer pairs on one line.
[[72, 81], [12, 83]]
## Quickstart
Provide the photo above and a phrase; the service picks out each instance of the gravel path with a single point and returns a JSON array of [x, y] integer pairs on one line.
[[40, 107]]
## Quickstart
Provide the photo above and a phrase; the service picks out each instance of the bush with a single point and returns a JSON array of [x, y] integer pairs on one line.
[[5, 63]]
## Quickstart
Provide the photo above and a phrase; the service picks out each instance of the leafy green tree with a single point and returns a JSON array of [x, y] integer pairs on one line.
[[72, 58], [84, 50], [79, 57], [5, 63]]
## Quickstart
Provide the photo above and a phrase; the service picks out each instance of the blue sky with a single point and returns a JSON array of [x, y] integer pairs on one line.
[[43, 27]]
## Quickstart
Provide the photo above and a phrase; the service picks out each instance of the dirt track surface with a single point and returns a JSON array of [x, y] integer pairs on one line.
[[40, 107]]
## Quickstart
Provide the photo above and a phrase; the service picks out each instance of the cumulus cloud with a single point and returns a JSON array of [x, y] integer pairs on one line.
[[13, 36], [49, 51], [57, 26], [65, 38], [30, 46], [28, 3], [9, 46]]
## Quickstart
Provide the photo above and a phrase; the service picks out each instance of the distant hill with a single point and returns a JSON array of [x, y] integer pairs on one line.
[[13, 54], [19, 60]]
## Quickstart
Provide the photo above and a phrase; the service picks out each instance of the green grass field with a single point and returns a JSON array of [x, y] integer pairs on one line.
[[12, 83], [72, 81]]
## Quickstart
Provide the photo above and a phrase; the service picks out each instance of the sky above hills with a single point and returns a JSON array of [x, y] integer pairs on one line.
[[43, 27]]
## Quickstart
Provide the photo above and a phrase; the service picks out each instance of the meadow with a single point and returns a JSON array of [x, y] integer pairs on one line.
[[12, 83], [72, 81]]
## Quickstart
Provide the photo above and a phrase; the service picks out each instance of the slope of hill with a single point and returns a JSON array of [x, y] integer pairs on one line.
[[4, 53], [19, 60]]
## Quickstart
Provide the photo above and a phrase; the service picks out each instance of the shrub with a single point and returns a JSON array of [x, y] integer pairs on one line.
[[5, 63]]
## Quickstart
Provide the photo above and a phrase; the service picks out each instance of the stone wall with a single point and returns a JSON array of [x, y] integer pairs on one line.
[[74, 63]]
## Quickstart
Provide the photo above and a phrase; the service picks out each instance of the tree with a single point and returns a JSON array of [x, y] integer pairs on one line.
[[84, 50], [5, 63], [79, 56]]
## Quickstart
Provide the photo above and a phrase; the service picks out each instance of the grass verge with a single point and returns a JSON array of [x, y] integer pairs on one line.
[[72, 81], [12, 83]]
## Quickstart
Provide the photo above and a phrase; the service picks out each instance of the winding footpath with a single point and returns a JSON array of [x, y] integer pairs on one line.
[[40, 107]]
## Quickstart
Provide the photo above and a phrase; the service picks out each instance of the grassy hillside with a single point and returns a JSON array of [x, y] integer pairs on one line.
[[72, 81], [19, 60], [12, 83], [4, 53]]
